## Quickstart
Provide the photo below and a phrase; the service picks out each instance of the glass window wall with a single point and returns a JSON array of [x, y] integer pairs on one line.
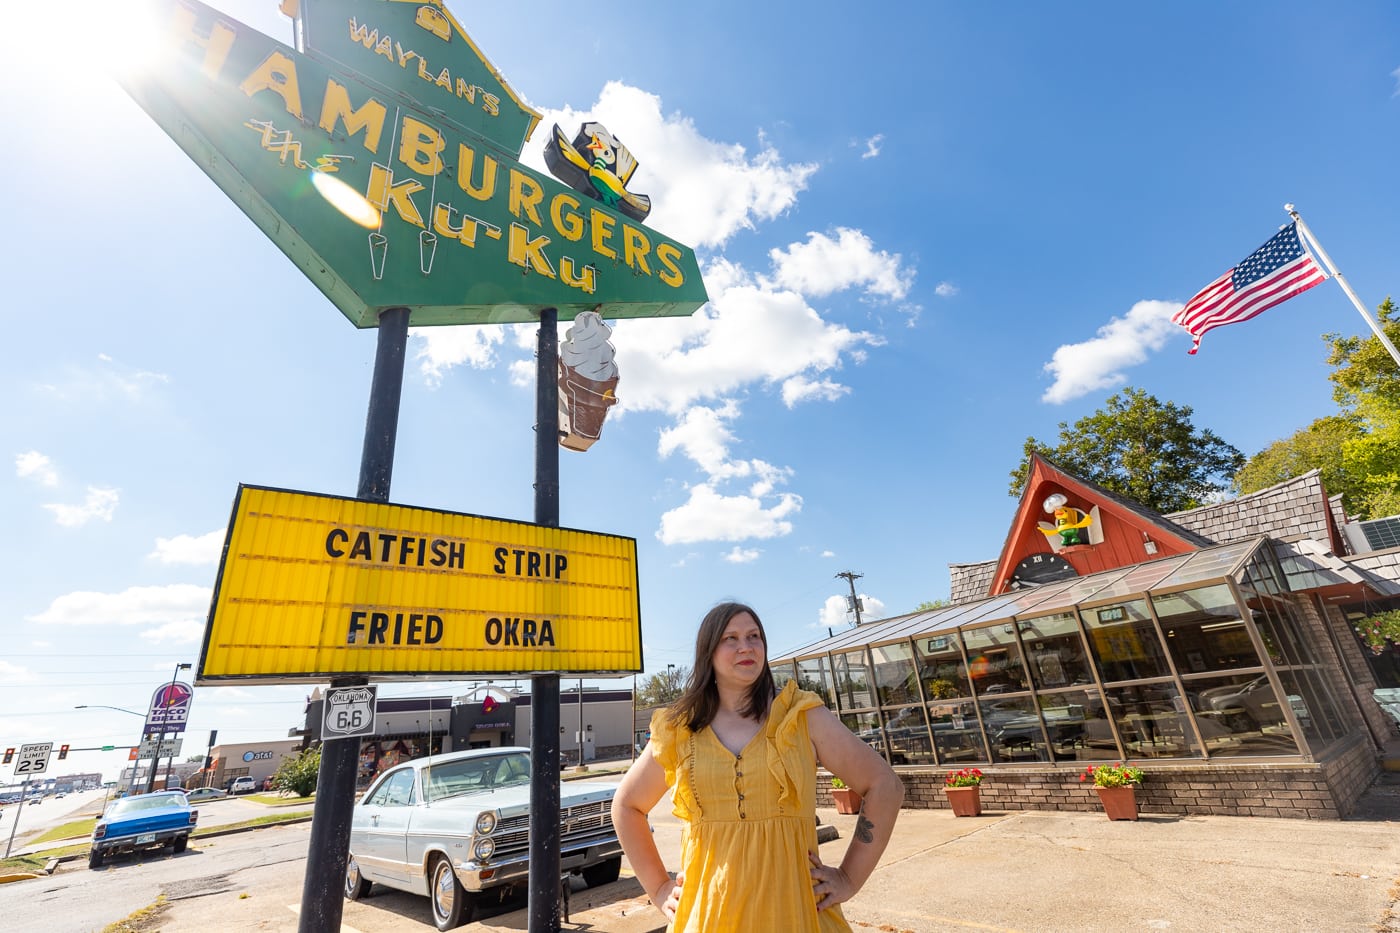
[[1124, 641], [1219, 670]]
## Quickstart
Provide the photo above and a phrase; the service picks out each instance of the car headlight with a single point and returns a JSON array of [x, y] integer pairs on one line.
[[483, 849], [486, 822]]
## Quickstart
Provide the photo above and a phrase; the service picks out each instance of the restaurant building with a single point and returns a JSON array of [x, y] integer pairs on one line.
[[1218, 648]]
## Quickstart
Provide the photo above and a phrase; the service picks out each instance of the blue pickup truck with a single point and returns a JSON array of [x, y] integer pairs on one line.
[[145, 821]]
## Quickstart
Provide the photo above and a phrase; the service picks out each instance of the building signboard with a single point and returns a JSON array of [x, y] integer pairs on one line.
[[170, 707], [382, 162], [313, 587]]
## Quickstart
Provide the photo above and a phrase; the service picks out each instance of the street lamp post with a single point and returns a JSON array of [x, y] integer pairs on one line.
[[122, 709], [160, 736]]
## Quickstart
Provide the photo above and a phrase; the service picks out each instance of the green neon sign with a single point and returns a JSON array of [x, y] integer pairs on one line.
[[399, 187]]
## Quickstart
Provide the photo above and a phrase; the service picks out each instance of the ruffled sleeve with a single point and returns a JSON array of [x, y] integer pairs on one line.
[[672, 746], [663, 743], [791, 761]]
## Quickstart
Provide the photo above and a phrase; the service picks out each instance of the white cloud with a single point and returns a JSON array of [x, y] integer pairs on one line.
[[801, 389], [1081, 368], [162, 608], [872, 146], [99, 504], [14, 674], [186, 632], [187, 549], [823, 266], [704, 191], [828, 553], [742, 555], [111, 381], [834, 615], [945, 289], [710, 516], [441, 348], [36, 466], [747, 333], [1396, 75]]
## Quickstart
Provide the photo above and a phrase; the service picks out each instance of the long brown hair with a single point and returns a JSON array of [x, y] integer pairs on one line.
[[699, 702]]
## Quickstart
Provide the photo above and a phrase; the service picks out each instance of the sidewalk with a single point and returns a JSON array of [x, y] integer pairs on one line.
[[1003, 872]]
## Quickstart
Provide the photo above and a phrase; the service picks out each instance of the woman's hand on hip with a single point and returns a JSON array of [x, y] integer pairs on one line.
[[667, 898], [830, 886]]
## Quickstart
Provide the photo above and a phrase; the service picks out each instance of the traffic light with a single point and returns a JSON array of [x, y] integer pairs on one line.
[[488, 706], [9, 756], [62, 752]]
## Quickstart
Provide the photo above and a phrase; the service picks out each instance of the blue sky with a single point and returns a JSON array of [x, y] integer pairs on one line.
[[928, 231]]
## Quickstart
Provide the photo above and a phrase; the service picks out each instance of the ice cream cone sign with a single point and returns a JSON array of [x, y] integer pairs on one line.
[[587, 381]]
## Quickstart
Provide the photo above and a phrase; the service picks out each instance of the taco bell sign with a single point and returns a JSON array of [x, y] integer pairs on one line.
[[170, 707]]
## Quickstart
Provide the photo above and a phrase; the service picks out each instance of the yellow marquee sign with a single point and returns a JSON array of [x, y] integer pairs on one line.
[[312, 587]]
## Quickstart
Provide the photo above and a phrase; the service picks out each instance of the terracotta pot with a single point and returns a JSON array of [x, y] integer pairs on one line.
[[1119, 803], [846, 800], [965, 801]]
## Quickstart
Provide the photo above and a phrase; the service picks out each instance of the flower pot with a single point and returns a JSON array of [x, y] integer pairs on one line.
[[1119, 803], [965, 801], [846, 800]]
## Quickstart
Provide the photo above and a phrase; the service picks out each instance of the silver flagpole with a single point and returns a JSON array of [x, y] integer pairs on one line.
[[1341, 280]]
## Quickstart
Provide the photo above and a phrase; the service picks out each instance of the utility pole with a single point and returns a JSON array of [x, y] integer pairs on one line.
[[851, 578]]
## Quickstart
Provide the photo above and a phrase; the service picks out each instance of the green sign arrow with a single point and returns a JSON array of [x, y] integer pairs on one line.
[[384, 203]]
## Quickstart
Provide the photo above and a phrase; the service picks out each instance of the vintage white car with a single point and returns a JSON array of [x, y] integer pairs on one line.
[[455, 825]]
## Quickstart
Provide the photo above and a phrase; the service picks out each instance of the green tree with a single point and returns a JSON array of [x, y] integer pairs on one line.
[[1358, 449], [1316, 447], [1143, 449], [930, 604], [663, 687], [297, 775]]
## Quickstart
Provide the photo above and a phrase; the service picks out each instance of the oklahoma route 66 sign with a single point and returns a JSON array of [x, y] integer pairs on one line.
[[349, 712]]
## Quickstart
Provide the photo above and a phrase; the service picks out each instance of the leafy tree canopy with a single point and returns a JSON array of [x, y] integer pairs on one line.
[[297, 775], [663, 687], [1357, 450], [930, 604], [1143, 449]]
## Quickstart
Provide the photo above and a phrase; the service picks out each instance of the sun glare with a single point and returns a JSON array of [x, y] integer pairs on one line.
[[346, 199]]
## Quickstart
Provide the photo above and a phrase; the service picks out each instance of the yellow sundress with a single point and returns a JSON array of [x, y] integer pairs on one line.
[[748, 823]]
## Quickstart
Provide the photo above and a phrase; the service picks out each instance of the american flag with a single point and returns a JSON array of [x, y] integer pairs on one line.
[[1270, 275]]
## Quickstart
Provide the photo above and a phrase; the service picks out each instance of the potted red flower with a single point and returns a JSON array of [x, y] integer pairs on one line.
[[963, 789], [1116, 786]]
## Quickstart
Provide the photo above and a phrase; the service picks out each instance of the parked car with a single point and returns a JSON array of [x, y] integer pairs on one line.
[[454, 827], [144, 821], [205, 793], [243, 785]]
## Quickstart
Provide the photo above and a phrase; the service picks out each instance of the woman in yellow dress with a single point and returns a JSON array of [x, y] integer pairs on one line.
[[742, 759]]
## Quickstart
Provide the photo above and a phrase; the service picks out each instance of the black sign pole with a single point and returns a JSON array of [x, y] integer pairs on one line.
[[321, 892], [544, 692]]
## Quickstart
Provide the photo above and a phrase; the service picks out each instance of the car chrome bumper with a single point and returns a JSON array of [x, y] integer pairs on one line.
[[129, 842], [476, 876]]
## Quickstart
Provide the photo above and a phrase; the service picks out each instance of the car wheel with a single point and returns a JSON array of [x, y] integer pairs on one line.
[[603, 872], [452, 905], [180, 844], [95, 858], [356, 886]]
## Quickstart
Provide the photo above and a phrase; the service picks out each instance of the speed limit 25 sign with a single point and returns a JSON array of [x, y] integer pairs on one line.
[[33, 759], [349, 712]]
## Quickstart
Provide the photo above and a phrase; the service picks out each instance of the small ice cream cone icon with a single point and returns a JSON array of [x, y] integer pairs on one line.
[[587, 381]]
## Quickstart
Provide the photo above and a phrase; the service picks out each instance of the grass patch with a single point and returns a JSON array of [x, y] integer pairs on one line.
[[20, 863], [147, 918], [66, 831], [268, 820]]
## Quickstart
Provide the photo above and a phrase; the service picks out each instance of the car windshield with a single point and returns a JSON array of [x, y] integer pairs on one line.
[[470, 775], [129, 805]]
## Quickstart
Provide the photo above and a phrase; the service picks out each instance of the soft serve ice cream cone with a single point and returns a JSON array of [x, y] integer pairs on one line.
[[587, 381]]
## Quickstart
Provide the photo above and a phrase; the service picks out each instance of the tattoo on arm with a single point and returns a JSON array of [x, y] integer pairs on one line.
[[865, 830]]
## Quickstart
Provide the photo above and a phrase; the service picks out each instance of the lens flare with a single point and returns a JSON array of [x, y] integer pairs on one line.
[[346, 200]]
